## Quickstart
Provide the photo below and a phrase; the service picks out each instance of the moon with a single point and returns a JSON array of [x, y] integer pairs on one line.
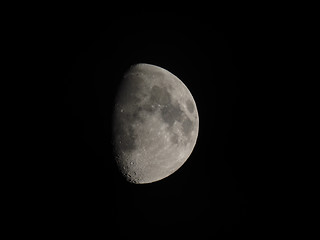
[[155, 124]]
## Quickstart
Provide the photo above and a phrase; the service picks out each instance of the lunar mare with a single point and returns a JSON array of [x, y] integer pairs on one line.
[[155, 124]]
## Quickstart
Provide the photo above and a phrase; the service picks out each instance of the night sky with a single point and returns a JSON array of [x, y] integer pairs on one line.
[[217, 192]]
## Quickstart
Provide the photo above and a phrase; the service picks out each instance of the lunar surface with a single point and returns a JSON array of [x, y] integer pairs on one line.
[[155, 124]]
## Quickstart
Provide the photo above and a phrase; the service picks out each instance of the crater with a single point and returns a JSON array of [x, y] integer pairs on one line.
[[187, 126]]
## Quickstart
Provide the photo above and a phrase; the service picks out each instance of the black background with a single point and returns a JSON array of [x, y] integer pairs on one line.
[[217, 192]]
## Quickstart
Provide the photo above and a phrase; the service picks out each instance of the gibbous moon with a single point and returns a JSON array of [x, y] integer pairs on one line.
[[155, 124]]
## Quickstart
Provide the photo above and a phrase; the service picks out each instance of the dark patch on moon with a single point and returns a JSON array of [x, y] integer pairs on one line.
[[187, 126], [136, 115], [190, 106], [160, 95], [149, 107], [171, 113]]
